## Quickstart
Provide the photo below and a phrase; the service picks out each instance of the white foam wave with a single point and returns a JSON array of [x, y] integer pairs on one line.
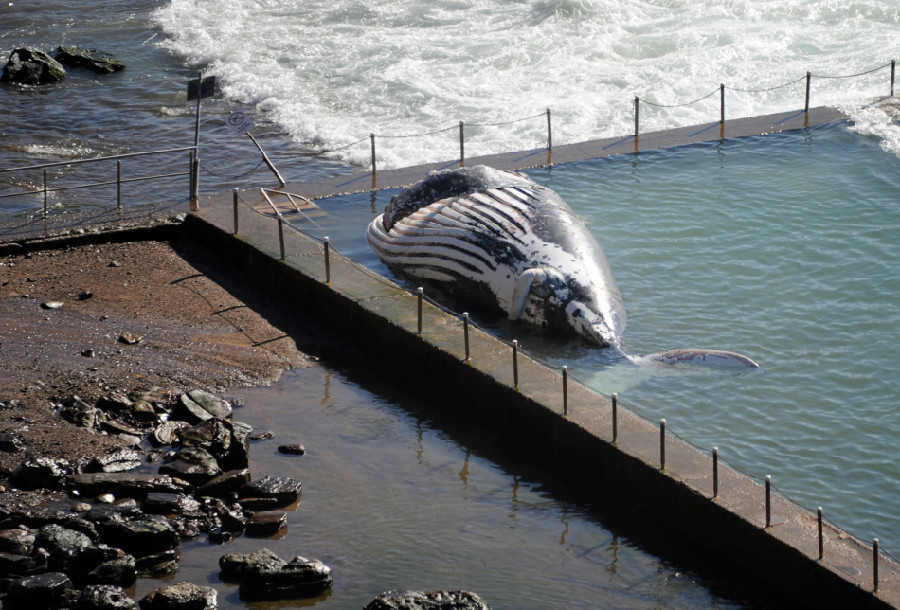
[[331, 72]]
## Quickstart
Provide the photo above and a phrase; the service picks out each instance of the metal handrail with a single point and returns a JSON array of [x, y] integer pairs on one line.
[[95, 159]]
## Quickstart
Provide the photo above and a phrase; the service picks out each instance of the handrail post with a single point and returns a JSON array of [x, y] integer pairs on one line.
[[462, 149], [118, 184], [372, 138], [550, 130], [235, 191], [893, 65], [637, 116], [45, 193], [281, 235], [808, 78], [722, 103]]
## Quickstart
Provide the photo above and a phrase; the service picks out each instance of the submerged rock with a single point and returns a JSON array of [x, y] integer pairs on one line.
[[427, 600], [29, 66], [300, 578], [92, 59], [233, 565], [284, 489]]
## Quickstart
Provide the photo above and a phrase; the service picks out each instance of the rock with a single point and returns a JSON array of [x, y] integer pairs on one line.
[[300, 578], [115, 426], [233, 565], [142, 536], [168, 503], [292, 449], [16, 541], [84, 295], [121, 460], [64, 545], [12, 564], [41, 472], [225, 484], [167, 432], [158, 564], [192, 464], [10, 443], [266, 523], [92, 59], [119, 571], [257, 504], [105, 597], [285, 489], [427, 600], [129, 338], [52, 304], [196, 406], [47, 591], [123, 484], [28, 66], [81, 413], [116, 402], [263, 436], [181, 596]]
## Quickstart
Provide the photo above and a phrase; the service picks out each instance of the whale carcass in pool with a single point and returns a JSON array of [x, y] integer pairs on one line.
[[500, 238]]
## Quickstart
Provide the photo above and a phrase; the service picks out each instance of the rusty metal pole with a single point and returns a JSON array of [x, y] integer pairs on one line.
[[768, 500], [715, 458], [565, 373], [821, 539], [808, 78], [515, 345], [615, 416], [722, 102], [420, 291], [235, 205], [466, 333], [550, 130], [327, 247], [662, 444], [462, 147]]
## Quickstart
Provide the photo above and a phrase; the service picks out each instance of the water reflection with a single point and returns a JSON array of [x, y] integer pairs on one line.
[[397, 496]]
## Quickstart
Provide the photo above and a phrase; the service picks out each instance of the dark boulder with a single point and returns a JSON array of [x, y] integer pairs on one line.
[[427, 600], [92, 59], [82, 414], [192, 464], [123, 484], [105, 597], [285, 489], [292, 449], [145, 535], [47, 591], [120, 460], [233, 565], [120, 571], [196, 406], [65, 546], [10, 443], [298, 579], [181, 596], [41, 472], [266, 523], [169, 504], [225, 484], [28, 66], [12, 564], [18, 541], [226, 441]]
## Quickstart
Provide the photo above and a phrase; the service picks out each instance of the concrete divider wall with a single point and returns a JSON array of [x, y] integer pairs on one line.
[[381, 319]]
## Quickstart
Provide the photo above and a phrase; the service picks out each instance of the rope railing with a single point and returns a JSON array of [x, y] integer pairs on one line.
[[637, 102], [567, 378]]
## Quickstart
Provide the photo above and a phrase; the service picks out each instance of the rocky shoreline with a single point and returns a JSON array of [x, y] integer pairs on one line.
[[115, 443]]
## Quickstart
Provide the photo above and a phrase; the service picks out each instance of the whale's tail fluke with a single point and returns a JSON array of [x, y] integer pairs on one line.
[[711, 358]]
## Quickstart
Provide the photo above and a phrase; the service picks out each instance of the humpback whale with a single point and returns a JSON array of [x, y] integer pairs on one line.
[[516, 247]]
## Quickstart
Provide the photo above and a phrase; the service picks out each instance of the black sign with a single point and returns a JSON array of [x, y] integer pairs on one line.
[[201, 89]]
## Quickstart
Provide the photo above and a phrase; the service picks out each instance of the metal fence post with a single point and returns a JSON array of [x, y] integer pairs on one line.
[[550, 130], [372, 137], [281, 235], [821, 540], [893, 65], [420, 291], [722, 102], [462, 148], [637, 116], [615, 416], [768, 500], [118, 184], [715, 458], [875, 564], [466, 333], [45, 193], [662, 444], [326, 245], [515, 345], [565, 373], [235, 205], [808, 77]]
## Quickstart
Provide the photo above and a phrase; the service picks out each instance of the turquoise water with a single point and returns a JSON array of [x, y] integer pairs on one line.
[[780, 247]]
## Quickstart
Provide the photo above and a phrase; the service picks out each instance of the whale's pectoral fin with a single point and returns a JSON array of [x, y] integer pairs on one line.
[[521, 290], [696, 357]]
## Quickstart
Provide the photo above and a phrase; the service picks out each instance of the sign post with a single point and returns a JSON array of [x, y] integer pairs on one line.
[[198, 89]]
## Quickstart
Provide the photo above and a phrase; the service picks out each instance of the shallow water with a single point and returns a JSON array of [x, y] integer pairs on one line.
[[393, 499]]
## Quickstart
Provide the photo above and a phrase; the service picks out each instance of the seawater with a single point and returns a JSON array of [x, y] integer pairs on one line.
[[774, 246]]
